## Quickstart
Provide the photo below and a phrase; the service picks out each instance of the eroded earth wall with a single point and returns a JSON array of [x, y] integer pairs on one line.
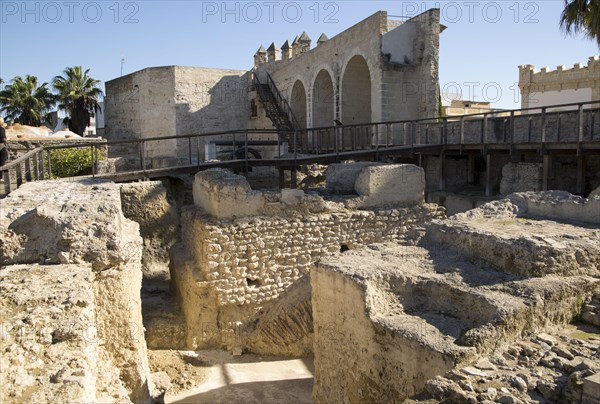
[[150, 205], [71, 239]]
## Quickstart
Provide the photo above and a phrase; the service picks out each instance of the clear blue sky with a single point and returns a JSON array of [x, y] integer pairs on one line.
[[480, 51]]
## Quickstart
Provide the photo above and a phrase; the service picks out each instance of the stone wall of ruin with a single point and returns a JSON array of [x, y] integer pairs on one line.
[[361, 359], [391, 316], [150, 205], [51, 230], [232, 263], [251, 261]]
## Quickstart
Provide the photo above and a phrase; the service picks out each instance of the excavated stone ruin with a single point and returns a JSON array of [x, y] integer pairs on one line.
[[474, 285], [71, 311], [394, 300]]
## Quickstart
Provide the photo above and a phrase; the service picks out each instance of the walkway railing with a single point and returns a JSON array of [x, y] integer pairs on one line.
[[531, 125], [26, 168], [569, 125]]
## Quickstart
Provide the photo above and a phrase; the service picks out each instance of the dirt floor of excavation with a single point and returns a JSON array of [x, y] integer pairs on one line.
[[219, 377]]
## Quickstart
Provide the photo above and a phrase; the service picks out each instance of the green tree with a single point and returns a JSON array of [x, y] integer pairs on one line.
[[582, 16], [26, 102], [78, 94]]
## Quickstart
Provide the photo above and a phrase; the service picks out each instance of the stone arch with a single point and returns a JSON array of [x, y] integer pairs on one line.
[[323, 97], [356, 92], [298, 102]]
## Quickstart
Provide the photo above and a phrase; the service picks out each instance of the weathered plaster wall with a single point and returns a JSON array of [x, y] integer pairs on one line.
[[209, 100], [142, 105], [409, 89]]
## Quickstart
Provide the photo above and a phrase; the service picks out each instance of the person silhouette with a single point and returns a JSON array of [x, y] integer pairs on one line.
[[3, 149]]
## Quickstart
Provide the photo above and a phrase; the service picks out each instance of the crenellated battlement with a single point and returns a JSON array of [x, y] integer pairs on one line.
[[529, 71], [560, 84], [301, 44]]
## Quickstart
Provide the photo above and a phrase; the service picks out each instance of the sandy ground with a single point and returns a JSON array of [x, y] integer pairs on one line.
[[218, 377], [185, 369]]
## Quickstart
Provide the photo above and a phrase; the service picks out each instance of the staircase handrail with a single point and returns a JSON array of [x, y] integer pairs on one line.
[[282, 102]]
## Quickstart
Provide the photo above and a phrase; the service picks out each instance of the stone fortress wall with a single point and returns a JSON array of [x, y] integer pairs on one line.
[[379, 69], [550, 87], [394, 63], [175, 100]]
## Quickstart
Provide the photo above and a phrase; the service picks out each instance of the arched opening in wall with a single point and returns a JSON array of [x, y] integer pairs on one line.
[[298, 103], [322, 100], [356, 92]]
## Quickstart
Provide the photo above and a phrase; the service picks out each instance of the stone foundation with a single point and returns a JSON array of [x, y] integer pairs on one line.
[[558, 205]]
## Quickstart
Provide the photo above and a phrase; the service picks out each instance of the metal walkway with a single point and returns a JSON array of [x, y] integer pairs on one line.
[[568, 129]]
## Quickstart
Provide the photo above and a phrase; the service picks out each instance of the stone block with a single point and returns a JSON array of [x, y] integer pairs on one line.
[[591, 389], [340, 178], [223, 194], [394, 184], [291, 196], [521, 177]]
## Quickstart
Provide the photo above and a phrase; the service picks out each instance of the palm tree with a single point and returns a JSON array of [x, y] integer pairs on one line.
[[79, 95], [582, 16], [26, 102]]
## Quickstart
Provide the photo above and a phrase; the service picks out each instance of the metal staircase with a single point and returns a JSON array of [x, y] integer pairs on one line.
[[277, 108]]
